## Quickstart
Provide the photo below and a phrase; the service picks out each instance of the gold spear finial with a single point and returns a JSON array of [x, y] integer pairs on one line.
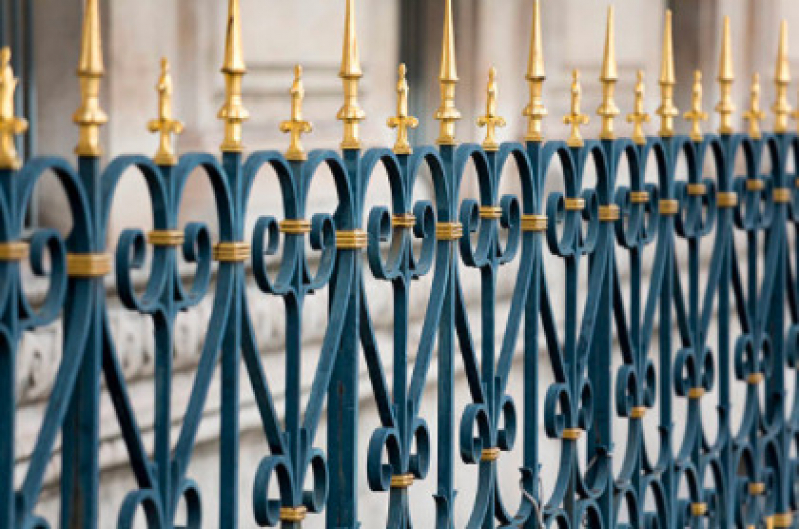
[[492, 119], [535, 110], [725, 106], [608, 109], [575, 118], [90, 117], [782, 79], [351, 113], [233, 112], [639, 116], [402, 121], [296, 126], [447, 114], [696, 115], [754, 115], [667, 111], [10, 125], [165, 125]]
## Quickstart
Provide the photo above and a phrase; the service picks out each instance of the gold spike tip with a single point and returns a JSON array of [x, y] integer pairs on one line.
[[447, 114], [782, 79], [639, 116], [10, 125], [351, 113], [696, 115], [233, 112], [402, 121], [754, 115], [165, 125], [575, 118], [90, 117], [667, 110], [725, 106], [535, 110], [296, 126], [491, 120], [608, 109]]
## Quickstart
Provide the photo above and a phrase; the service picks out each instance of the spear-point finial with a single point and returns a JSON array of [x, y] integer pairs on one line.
[[639, 116], [535, 110], [165, 125], [696, 115], [491, 120], [296, 126], [233, 112], [351, 113], [608, 109], [667, 111], [782, 79], [90, 117], [402, 121], [10, 125], [447, 114], [754, 115], [725, 106], [575, 118]]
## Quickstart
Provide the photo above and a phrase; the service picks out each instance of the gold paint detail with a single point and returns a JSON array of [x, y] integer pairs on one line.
[[782, 80], [403, 120], [782, 195], [351, 113], [575, 118], [166, 237], [609, 213], [491, 120], [165, 125], [667, 111], [293, 514], [638, 412], [351, 240], [669, 206], [401, 481], [296, 126], [783, 520], [639, 197], [725, 106], [88, 265], [536, 75], [10, 125], [639, 116], [609, 76], [490, 454], [755, 184], [90, 117], [449, 231], [534, 223], [696, 115], [572, 434], [755, 378], [575, 204], [233, 112], [696, 190], [490, 212], [447, 114], [698, 509], [726, 199], [696, 393], [754, 114], [13, 251], [403, 221], [294, 226], [231, 252], [757, 488]]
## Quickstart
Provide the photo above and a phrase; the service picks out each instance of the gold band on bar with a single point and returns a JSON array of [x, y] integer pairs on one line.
[[490, 212], [609, 213], [572, 434], [166, 237], [14, 251], [669, 206], [696, 190], [726, 199], [351, 240], [405, 220], [755, 378], [575, 204], [698, 509], [534, 222], [638, 412], [86, 265], [783, 520], [639, 197], [449, 231], [231, 252], [490, 454], [401, 481], [696, 393], [753, 184], [796, 182], [294, 226], [757, 488], [293, 514], [782, 195]]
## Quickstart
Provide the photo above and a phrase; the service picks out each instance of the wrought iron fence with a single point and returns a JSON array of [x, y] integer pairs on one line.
[[745, 476]]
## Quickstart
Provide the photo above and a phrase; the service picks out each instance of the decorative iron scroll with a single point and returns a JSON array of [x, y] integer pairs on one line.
[[658, 321]]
